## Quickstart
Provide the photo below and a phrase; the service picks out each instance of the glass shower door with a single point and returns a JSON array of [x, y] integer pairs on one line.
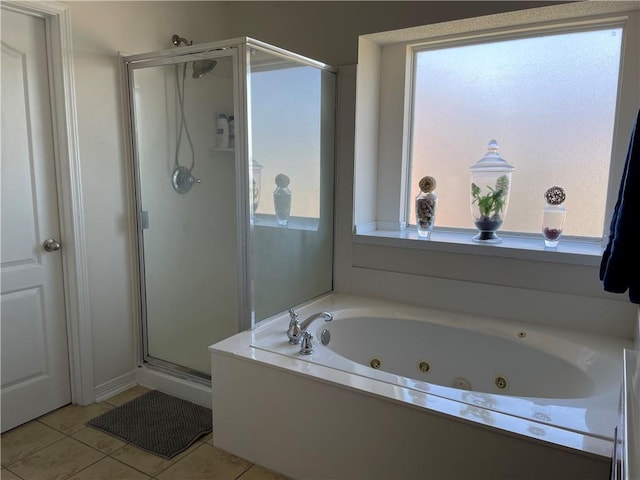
[[186, 199]]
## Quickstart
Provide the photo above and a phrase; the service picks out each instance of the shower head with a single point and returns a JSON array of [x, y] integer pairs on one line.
[[177, 40], [202, 67]]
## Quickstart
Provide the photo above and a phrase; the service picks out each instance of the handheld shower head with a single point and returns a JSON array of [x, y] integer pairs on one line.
[[202, 67]]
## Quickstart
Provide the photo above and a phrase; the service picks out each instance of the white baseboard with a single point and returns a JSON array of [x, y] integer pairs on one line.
[[115, 386], [179, 387], [157, 380]]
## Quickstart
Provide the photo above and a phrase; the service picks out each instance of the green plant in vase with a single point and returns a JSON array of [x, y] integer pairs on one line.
[[490, 204]]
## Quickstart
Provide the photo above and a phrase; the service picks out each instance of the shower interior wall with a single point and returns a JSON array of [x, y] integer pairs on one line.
[[102, 29]]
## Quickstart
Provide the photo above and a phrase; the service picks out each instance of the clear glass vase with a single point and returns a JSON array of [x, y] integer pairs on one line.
[[426, 204], [282, 200], [553, 217]]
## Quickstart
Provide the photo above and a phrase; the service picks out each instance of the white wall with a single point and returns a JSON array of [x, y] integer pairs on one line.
[[328, 31], [100, 30]]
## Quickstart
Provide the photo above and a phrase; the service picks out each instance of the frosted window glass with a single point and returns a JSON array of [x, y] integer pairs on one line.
[[549, 102]]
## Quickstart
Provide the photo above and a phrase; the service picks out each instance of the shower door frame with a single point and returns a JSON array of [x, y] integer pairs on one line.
[[130, 63], [240, 50]]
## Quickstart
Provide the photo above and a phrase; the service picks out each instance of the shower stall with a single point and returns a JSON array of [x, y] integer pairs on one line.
[[211, 127]]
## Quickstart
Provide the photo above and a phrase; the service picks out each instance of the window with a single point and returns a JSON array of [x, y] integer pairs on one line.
[[555, 86], [550, 103]]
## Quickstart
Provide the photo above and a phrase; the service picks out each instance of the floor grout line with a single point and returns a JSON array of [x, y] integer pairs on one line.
[[82, 469], [239, 477], [35, 451], [131, 466], [14, 473]]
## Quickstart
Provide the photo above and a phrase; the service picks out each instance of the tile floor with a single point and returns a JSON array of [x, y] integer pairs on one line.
[[59, 446]]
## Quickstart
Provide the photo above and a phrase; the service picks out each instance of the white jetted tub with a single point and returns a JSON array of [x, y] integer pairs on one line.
[[398, 391]]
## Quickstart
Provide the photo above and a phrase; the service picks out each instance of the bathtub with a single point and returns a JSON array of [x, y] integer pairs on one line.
[[397, 391]]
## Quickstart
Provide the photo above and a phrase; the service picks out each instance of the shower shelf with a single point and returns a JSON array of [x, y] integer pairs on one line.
[[214, 150]]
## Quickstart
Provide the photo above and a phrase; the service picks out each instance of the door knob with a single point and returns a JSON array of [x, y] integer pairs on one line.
[[51, 245]]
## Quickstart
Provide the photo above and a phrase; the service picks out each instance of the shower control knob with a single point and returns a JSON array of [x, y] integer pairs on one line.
[[182, 180], [51, 245]]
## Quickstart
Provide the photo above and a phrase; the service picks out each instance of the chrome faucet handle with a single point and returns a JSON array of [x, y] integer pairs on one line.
[[294, 331], [307, 347]]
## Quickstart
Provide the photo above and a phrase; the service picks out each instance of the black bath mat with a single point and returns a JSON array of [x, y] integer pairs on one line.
[[156, 422]]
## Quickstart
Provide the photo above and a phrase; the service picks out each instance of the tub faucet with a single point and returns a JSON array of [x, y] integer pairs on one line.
[[326, 315], [296, 330]]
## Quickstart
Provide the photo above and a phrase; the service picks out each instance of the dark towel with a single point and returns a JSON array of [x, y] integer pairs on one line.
[[620, 266]]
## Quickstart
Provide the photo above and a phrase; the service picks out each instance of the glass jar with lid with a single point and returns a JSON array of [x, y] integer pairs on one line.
[[490, 191]]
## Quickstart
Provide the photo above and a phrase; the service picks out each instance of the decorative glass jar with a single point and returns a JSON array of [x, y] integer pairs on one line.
[[256, 184], [282, 199], [426, 203], [553, 216], [490, 189]]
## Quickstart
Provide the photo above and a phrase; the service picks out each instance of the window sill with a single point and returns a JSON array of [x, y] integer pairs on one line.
[[568, 251], [266, 220]]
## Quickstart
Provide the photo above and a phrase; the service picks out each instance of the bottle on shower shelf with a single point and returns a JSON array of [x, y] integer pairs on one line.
[[222, 131], [232, 131]]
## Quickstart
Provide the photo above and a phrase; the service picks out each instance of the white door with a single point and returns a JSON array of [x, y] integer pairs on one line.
[[35, 359]]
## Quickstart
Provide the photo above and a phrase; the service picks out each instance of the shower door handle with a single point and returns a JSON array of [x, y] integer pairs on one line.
[[51, 245]]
